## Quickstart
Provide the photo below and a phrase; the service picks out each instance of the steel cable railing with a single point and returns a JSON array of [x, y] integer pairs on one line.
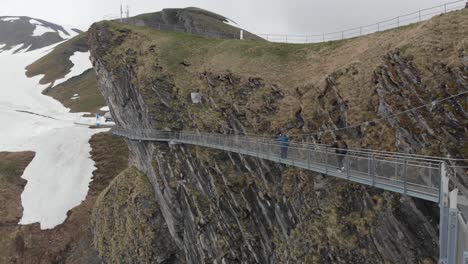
[[414, 176]]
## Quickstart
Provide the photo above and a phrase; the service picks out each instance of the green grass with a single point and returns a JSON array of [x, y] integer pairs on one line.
[[57, 64], [91, 99], [12, 165]]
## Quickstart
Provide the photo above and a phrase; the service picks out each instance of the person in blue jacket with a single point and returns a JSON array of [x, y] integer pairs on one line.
[[284, 141]]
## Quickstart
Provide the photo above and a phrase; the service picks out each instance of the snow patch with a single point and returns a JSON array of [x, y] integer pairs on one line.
[[69, 30], [59, 175], [10, 19], [23, 50], [52, 193], [74, 97], [41, 30], [231, 22], [35, 22], [105, 109], [15, 49], [81, 63]]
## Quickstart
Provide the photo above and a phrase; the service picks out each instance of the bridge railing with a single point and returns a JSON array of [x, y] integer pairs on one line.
[[416, 177]]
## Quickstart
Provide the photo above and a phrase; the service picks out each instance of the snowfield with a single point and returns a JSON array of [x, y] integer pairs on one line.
[[82, 64], [41, 30], [10, 19], [231, 22], [60, 173], [105, 109]]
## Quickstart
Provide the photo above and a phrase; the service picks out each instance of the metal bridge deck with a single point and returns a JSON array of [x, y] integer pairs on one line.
[[411, 175]]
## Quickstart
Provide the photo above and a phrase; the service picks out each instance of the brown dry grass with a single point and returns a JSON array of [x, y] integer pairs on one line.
[[300, 71], [70, 242]]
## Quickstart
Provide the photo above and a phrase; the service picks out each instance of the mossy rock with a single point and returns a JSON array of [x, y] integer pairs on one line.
[[128, 224]]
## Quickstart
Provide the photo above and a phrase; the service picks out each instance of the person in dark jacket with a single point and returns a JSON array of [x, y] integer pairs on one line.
[[284, 141], [341, 149]]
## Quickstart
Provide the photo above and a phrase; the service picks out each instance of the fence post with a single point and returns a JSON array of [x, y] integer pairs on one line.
[[444, 215], [360, 31], [308, 158], [326, 161], [323, 37], [242, 34], [453, 227], [373, 171], [419, 15], [398, 21], [286, 38], [405, 165], [342, 35], [445, 8], [378, 27]]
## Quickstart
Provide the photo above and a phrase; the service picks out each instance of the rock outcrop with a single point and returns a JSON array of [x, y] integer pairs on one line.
[[220, 207], [193, 20]]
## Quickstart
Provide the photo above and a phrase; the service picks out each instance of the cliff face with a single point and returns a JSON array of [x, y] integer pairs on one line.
[[221, 207]]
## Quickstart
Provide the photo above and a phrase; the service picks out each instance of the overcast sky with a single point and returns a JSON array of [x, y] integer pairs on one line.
[[258, 16]]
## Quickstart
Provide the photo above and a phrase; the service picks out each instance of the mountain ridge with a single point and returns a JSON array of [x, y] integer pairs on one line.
[[23, 33]]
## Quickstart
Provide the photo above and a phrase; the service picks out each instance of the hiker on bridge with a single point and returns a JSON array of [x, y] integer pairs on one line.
[[341, 149], [284, 141]]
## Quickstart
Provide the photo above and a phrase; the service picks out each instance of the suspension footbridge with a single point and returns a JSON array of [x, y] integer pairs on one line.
[[417, 176]]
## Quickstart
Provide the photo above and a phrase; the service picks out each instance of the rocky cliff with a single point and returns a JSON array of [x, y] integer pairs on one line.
[[220, 207]]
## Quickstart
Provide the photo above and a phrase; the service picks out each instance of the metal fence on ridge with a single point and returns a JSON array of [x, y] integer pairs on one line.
[[403, 20], [399, 21]]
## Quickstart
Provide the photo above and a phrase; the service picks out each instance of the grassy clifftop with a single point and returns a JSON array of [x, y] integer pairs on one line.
[[303, 88]]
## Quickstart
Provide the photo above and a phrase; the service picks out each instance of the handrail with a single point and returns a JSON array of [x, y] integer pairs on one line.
[[432, 159], [404, 174]]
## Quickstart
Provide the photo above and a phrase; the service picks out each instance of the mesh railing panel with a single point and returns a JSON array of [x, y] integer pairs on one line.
[[413, 176]]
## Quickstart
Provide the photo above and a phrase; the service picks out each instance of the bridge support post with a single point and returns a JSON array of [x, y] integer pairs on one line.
[[444, 216], [453, 228], [347, 167]]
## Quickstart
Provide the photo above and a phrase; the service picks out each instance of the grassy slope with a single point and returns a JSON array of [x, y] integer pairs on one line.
[[85, 85], [12, 166], [57, 65], [130, 197], [211, 22], [70, 242], [300, 72]]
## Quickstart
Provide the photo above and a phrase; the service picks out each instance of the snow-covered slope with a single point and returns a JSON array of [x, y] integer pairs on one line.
[[31, 33], [81, 63], [59, 175]]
